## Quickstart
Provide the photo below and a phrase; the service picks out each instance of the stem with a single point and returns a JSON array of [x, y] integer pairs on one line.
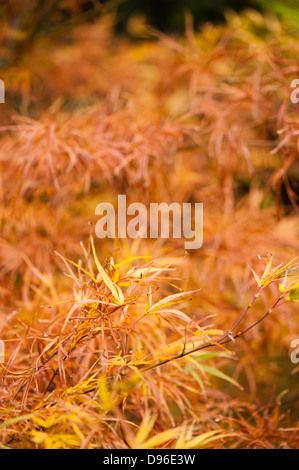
[[223, 339]]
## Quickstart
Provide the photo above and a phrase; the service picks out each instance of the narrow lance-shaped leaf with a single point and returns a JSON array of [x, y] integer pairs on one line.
[[115, 290], [170, 300]]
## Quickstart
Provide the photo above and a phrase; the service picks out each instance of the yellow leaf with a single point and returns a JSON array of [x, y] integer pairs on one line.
[[176, 313], [161, 438], [146, 427], [170, 300], [15, 420], [115, 290]]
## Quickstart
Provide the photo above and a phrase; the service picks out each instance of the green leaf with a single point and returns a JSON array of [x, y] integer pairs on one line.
[[221, 375]]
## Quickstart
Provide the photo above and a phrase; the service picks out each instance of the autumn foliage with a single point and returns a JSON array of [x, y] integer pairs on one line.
[[122, 343]]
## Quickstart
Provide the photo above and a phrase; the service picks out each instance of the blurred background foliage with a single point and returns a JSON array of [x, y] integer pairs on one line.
[[23, 22]]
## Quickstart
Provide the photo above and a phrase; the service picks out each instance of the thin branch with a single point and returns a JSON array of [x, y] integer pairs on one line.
[[220, 341]]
